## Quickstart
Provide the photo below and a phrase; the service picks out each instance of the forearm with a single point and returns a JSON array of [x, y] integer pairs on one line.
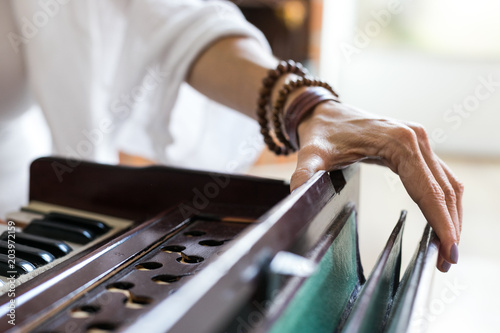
[[230, 72], [336, 135]]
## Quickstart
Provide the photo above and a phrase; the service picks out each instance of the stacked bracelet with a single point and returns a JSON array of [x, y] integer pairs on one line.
[[285, 126], [284, 67], [299, 108]]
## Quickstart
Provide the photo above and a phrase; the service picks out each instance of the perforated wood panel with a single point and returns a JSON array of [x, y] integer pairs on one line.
[[153, 277]]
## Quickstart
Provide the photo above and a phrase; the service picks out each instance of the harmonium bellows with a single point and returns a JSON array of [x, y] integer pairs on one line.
[[103, 248]]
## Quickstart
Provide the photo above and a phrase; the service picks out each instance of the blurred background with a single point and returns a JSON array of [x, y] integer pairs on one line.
[[436, 62]]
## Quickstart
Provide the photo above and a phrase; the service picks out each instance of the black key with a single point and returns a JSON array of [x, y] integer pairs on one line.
[[95, 226], [57, 248], [31, 254], [19, 267], [59, 231]]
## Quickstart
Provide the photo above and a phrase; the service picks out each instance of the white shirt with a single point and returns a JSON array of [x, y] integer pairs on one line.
[[106, 75]]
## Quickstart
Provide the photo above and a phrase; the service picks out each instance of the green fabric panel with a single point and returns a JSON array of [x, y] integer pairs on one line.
[[320, 301], [368, 314]]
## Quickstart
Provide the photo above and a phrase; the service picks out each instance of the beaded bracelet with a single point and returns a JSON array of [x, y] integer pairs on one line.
[[291, 117], [284, 67]]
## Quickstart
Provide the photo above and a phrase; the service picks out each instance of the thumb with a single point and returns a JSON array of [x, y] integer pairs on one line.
[[307, 166]]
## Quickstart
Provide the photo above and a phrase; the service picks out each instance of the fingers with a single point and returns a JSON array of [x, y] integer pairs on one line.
[[459, 191], [443, 265], [308, 163], [428, 184], [339, 135], [443, 178], [427, 193]]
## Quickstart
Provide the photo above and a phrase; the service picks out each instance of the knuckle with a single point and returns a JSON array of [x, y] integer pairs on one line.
[[300, 176], [419, 130], [437, 192], [404, 134], [460, 187], [422, 136], [450, 194], [403, 142], [301, 173]]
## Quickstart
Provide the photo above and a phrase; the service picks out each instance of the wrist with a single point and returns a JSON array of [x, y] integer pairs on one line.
[[302, 107], [282, 71], [308, 121]]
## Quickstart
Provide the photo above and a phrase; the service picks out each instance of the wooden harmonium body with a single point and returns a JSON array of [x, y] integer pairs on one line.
[[105, 248]]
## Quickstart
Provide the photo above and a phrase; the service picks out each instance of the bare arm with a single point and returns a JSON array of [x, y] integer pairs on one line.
[[336, 135], [231, 71]]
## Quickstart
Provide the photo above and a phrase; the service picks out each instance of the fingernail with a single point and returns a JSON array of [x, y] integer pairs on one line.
[[454, 253], [445, 266]]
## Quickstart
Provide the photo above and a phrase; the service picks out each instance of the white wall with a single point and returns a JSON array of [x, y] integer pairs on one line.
[[449, 97], [415, 84]]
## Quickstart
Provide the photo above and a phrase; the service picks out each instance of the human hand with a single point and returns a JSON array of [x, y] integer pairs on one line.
[[336, 135]]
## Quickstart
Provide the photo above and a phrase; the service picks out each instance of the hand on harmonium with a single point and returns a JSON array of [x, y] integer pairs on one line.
[[337, 135]]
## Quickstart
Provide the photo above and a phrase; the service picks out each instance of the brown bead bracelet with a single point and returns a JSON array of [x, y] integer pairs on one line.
[[284, 67], [299, 108]]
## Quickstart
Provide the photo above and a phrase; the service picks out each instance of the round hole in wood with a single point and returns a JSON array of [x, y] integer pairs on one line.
[[211, 242], [119, 286], [167, 279], [194, 233], [85, 311], [185, 259], [148, 266], [173, 248], [101, 327]]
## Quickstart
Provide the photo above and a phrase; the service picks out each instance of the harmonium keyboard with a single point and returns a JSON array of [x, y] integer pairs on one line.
[[103, 248]]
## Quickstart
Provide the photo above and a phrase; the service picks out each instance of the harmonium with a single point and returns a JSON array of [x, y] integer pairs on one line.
[[102, 248]]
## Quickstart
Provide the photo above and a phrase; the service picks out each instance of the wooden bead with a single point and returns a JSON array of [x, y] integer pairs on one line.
[[282, 67], [263, 101], [265, 91], [262, 122], [268, 82], [273, 73]]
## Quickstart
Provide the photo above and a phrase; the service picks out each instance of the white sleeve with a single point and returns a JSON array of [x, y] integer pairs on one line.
[[107, 75], [162, 40]]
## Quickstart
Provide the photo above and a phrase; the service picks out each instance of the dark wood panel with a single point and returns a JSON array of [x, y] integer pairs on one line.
[[140, 193]]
